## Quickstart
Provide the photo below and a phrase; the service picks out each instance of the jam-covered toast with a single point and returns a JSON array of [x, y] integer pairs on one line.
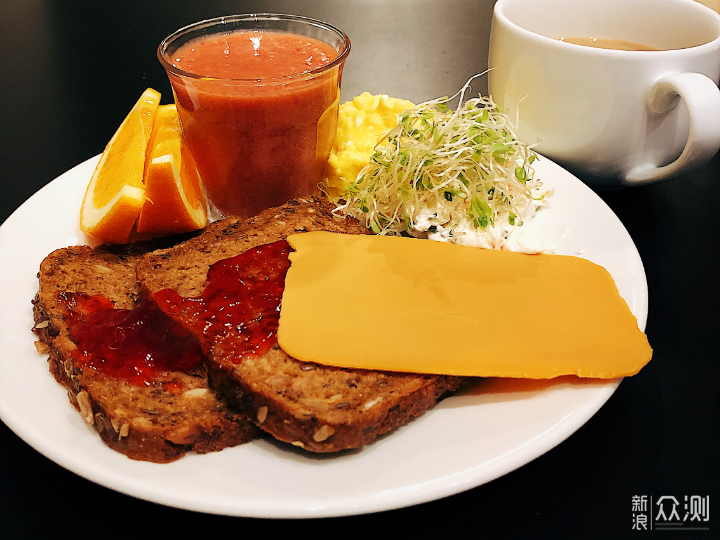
[[319, 408], [153, 412]]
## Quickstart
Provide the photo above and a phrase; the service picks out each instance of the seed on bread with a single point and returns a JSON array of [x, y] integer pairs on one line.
[[365, 406], [186, 434], [323, 433], [65, 343], [141, 422], [196, 393], [83, 401]]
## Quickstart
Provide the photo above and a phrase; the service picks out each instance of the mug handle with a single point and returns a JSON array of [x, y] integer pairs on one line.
[[702, 98]]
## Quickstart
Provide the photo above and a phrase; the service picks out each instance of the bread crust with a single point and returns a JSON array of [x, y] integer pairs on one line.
[[319, 408], [176, 413]]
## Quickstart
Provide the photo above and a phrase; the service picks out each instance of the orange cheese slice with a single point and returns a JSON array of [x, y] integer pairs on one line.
[[401, 304]]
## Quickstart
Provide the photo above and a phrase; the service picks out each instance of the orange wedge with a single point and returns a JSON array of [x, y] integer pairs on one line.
[[114, 197], [174, 195]]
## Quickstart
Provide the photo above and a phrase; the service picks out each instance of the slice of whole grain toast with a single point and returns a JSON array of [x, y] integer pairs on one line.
[[319, 408], [159, 421]]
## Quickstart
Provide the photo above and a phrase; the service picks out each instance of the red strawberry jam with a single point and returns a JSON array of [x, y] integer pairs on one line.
[[131, 344], [239, 310]]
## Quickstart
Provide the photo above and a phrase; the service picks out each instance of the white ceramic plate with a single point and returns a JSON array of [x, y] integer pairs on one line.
[[465, 441]]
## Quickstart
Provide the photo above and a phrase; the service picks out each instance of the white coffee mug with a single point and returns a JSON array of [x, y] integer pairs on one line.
[[614, 117]]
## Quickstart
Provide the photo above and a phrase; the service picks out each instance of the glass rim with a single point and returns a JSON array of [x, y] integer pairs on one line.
[[170, 68]]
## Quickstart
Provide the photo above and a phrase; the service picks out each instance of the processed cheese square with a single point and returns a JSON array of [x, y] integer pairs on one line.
[[403, 304]]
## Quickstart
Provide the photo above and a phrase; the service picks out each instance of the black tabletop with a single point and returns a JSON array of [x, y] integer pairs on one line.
[[69, 73]]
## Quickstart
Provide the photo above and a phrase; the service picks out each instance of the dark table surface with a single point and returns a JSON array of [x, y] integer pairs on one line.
[[69, 73]]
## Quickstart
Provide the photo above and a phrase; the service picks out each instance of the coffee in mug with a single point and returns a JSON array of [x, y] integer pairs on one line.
[[605, 43], [613, 117]]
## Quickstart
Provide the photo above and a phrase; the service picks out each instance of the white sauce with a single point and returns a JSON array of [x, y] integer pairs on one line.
[[502, 235]]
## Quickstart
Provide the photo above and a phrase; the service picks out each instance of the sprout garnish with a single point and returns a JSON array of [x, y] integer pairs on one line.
[[447, 174]]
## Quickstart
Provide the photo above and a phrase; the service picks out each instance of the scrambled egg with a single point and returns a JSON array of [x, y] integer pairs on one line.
[[362, 123]]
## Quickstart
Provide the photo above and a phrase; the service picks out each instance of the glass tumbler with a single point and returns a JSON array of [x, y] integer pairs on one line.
[[258, 141]]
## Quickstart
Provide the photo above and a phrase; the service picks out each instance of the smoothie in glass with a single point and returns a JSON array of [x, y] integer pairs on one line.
[[258, 107]]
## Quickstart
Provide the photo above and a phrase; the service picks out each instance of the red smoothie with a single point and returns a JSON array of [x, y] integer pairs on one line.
[[258, 121]]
